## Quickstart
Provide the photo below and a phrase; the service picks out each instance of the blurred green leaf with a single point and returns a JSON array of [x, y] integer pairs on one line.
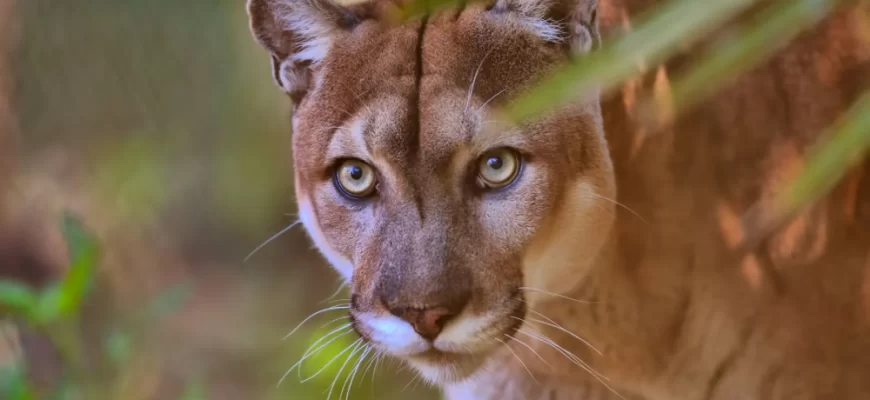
[[772, 29], [65, 298], [848, 144], [13, 383], [659, 34], [18, 298]]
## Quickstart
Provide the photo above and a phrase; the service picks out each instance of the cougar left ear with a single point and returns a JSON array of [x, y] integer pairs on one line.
[[298, 35], [575, 22]]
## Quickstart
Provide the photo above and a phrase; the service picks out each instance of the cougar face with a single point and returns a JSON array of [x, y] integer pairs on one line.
[[445, 223]]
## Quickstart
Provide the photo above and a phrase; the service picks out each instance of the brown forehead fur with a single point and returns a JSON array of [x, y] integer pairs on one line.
[[420, 128]]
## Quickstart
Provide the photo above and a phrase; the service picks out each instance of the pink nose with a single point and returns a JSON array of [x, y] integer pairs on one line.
[[428, 322]]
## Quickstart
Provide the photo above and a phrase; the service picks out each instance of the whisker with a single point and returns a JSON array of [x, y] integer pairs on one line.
[[357, 347], [576, 360], [531, 289], [474, 79], [491, 99], [378, 363], [516, 339], [333, 308], [518, 359], [378, 358], [325, 324], [337, 291], [618, 204], [352, 345], [569, 355], [298, 363], [561, 328], [371, 362], [275, 236], [354, 371], [416, 376], [309, 352]]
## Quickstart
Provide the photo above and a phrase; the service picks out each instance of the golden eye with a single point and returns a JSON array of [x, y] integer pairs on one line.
[[498, 168], [355, 178]]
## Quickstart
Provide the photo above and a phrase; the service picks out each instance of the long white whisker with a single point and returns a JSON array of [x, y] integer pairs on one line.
[[516, 339], [328, 309], [352, 345], [491, 99], [531, 289], [474, 79], [352, 376], [378, 363], [416, 376], [275, 236], [576, 360], [561, 328], [518, 359], [324, 367], [369, 365], [325, 324], [337, 291], [618, 204], [569, 355], [309, 352], [359, 345]]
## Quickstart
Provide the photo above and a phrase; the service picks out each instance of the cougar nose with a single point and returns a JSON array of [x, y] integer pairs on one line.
[[428, 322]]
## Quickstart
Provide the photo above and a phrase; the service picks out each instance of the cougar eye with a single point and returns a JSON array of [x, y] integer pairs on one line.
[[355, 178], [498, 168]]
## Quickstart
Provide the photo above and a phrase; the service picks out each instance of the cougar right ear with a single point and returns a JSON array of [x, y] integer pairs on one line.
[[574, 21], [298, 34]]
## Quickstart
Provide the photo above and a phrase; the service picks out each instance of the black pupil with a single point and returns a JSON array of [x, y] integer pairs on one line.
[[355, 172], [495, 162]]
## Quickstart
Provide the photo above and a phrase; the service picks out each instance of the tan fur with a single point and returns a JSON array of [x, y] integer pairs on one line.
[[651, 275]]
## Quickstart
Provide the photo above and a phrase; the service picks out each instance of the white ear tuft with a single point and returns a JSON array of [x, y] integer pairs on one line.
[[573, 22], [298, 34]]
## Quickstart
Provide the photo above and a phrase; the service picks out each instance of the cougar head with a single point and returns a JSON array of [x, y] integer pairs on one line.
[[444, 223]]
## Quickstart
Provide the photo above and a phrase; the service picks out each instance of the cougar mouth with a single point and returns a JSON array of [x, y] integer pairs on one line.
[[457, 353]]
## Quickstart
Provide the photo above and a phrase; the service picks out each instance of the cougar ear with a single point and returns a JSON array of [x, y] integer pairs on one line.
[[298, 34], [574, 22]]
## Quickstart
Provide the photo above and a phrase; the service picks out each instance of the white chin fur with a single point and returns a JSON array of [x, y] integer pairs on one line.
[[448, 373], [393, 334]]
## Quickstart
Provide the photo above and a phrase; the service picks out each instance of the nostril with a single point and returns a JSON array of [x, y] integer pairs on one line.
[[428, 322]]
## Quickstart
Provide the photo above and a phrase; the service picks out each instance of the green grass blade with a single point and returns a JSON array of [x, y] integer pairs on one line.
[[659, 35], [771, 30], [847, 145]]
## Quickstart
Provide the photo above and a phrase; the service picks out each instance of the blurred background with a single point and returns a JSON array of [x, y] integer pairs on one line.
[[157, 123], [144, 144]]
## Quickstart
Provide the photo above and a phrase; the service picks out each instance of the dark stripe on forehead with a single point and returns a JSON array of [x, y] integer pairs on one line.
[[415, 117]]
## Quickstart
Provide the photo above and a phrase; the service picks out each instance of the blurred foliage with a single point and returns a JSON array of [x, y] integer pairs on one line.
[[170, 107]]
